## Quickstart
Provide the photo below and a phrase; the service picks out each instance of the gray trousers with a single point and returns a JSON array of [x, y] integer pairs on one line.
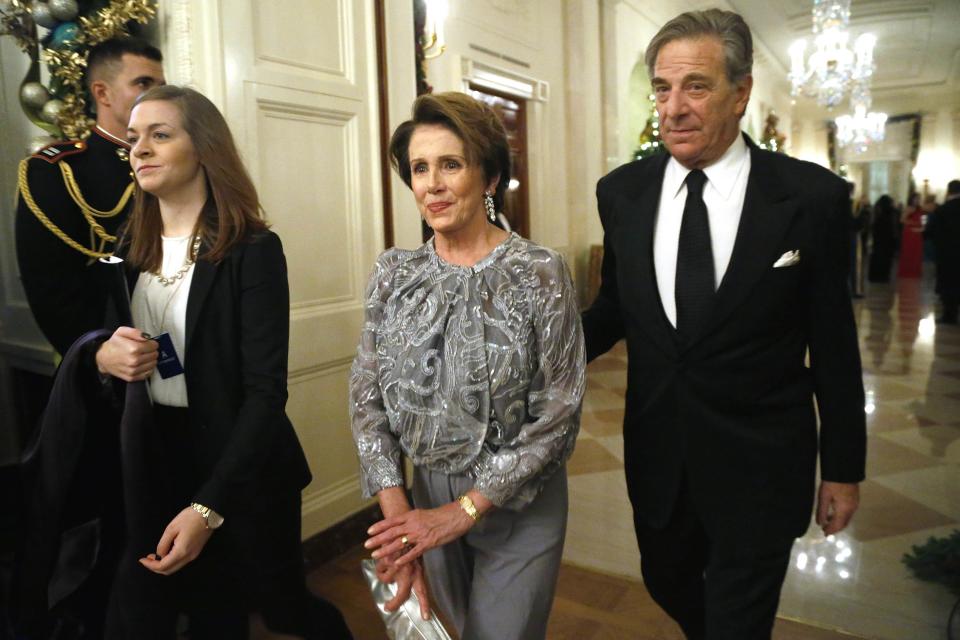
[[497, 582]]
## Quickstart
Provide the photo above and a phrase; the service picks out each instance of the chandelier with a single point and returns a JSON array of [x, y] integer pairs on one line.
[[864, 127], [832, 66]]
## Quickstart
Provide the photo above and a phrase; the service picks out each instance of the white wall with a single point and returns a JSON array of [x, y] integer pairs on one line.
[[584, 158], [938, 161]]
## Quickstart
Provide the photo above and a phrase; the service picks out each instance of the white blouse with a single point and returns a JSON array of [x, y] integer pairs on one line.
[[159, 309]]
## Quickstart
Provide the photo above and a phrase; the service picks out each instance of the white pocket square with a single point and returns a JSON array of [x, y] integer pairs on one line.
[[788, 259]]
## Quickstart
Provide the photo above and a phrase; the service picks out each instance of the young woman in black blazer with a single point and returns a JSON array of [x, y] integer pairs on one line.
[[210, 311]]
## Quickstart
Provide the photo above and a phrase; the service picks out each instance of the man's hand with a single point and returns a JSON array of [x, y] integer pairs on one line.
[[181, 543], [836, 504], [128, 355]]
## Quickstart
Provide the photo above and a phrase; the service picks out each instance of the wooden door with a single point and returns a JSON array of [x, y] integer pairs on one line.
[[513, 113]]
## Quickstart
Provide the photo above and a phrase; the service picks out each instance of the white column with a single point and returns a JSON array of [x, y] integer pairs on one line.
[[585, 155]]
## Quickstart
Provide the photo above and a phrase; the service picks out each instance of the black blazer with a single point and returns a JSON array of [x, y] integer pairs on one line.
[[732, 410], [237, 336]]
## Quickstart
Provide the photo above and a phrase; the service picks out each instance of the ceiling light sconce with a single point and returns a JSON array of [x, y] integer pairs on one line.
[[433, 41]]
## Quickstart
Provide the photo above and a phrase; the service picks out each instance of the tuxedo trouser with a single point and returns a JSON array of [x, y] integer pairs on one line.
[[497, 581], [714, 586], [951, 303], [221, 586]]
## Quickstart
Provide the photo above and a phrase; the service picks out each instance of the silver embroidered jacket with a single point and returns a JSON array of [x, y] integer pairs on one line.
[[476, 370]]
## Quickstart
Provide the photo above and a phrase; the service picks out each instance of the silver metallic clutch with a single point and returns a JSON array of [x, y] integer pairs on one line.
[[405, 623]]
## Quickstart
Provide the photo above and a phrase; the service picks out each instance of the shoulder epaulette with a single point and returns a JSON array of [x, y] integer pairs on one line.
[[59, 150]]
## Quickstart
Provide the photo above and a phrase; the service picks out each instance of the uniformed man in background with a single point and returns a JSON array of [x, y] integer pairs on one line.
[[73, 196]]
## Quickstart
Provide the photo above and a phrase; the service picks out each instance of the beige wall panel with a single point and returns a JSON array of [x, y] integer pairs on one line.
[[307, 195], [305, 34], [312, 46], [318, 408], [516, 20], [301, 97]]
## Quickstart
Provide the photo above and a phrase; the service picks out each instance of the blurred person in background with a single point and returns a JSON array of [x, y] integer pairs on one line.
[[944, 231]]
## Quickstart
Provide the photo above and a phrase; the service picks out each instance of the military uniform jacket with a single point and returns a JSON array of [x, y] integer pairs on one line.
[[65, 287]]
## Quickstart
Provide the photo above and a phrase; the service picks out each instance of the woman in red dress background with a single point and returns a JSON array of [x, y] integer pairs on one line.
[[911, 244]]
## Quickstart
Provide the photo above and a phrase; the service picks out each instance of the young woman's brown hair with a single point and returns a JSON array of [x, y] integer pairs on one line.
[[232, 212]]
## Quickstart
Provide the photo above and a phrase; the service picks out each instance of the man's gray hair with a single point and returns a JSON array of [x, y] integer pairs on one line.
[[728, 26]]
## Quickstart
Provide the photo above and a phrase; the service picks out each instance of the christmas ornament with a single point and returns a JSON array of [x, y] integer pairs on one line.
[[650, 142], [34, 95], [76, 27], [42, 14], [63, 9], [772, 139], [51, 110], [65, 34], [38, 143]]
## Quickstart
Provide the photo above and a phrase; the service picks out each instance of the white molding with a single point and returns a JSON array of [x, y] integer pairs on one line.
[[209, 74], [177, 27], [38, 358], [331, 493], [503, 80], [325, 507]]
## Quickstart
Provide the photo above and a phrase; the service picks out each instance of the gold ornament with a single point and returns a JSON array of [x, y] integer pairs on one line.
[[68, 65], [15, 21]]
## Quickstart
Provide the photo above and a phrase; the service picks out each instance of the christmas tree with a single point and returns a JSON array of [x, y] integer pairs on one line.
[[60, 34], [649, 142], [772, 140]]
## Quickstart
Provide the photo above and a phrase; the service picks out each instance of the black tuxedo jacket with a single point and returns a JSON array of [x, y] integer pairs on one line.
[[731, 412], [237, 335]]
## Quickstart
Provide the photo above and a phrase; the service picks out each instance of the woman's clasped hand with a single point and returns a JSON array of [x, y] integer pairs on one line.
[[128, 355]]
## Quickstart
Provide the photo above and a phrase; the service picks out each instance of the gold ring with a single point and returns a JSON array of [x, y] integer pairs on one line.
[[404, 541]]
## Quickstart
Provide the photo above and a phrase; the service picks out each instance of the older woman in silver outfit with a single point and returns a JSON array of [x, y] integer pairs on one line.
[[471, 364]]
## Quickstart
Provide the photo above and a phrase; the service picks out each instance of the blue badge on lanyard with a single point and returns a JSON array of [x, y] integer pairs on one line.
[[168, 364]]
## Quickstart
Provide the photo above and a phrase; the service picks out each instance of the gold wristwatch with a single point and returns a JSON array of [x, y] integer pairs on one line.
[[211, 518], [467, 505]]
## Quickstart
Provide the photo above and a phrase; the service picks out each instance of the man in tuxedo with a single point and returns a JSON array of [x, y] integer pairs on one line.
[[724, 266]]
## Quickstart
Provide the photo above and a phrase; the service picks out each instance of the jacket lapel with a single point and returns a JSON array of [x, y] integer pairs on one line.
[[203, 276], [767, 213], [639, 212]]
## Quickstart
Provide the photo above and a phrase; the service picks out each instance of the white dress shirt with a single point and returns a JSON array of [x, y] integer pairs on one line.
[[723, 194], [161, 309]]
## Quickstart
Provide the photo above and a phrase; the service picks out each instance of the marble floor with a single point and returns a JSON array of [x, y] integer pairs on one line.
[[589, 605], [855, 582]]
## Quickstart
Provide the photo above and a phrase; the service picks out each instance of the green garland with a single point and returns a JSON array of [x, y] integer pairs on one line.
[[937, 560], [72, 28]]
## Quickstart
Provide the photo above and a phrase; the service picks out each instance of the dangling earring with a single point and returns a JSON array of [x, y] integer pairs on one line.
[[491, 209]]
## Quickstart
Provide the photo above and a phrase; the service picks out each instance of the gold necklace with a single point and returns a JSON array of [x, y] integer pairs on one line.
[[188, 261]]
